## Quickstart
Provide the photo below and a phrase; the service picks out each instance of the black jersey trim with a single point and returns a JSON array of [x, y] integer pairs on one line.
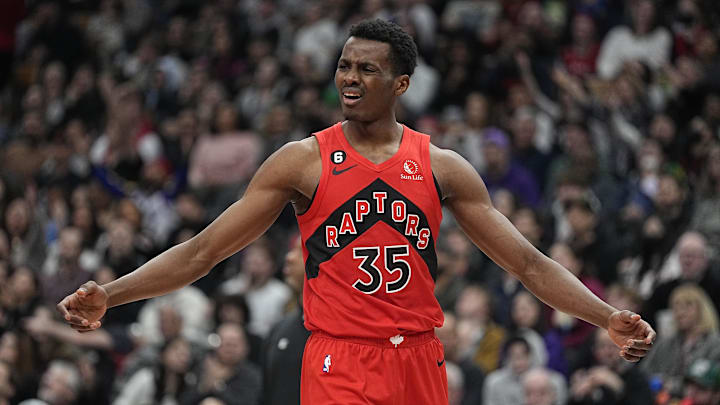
[[437, 188], [319, 252], [311, 200], [321, 187]]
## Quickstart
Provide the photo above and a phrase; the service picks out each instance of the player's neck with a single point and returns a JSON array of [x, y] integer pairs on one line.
[[380, 132]]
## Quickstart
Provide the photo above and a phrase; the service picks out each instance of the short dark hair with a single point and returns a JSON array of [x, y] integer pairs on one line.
[[403, 51], [512, 340], [236, 300]]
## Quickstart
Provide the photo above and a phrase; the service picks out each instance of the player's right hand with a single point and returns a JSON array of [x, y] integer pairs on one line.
[[84, 308]]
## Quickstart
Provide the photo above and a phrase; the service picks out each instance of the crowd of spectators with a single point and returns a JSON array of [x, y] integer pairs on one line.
[[126, 126]]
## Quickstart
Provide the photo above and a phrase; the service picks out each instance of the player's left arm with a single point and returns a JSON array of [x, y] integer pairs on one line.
[[466, 196]]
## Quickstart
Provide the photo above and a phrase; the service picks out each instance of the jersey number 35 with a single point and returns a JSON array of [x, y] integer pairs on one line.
[[393, 263]]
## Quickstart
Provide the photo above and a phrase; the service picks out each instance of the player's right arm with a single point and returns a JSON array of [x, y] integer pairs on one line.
[[282, 178], [466, 196]]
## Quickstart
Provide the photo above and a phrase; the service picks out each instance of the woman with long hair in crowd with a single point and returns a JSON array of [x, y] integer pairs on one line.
[[696, 337], [165, 383]]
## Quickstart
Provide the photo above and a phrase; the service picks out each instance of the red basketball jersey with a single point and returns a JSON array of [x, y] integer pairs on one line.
[[369, 241]]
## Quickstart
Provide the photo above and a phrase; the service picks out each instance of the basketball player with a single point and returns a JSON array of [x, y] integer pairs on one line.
[[368, 193]]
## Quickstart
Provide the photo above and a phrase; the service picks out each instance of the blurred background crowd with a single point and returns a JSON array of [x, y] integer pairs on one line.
[[126, 126]]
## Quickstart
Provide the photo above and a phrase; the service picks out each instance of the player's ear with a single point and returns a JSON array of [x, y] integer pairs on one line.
[[401, 84]]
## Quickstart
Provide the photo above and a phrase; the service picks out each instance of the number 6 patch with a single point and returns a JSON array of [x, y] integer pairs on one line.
[[338, 157]]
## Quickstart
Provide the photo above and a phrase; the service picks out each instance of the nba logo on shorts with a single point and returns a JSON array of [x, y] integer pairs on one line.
[[326, 364]]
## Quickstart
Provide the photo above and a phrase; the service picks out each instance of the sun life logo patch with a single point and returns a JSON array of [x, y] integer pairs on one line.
[[411, 171]]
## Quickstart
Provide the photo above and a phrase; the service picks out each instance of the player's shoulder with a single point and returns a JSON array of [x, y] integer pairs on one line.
[[292, 163], [451, 170], [443, 159], [303, 150]]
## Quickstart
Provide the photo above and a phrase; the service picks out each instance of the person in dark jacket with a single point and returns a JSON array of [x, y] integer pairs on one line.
[[226, 373], [607, 381], [283, 351], [695, 266]]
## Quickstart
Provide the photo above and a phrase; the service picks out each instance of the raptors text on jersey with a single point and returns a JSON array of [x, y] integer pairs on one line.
[[369, 241]]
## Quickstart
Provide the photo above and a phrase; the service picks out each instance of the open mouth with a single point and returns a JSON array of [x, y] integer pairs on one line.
[[351, 97]]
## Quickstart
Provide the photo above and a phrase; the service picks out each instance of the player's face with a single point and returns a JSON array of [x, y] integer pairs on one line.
[[365, 80]]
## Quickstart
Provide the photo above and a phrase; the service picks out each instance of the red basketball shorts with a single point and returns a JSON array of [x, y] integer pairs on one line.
[[409, 370]]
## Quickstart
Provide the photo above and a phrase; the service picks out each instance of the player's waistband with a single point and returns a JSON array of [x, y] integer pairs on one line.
[[397, 341]]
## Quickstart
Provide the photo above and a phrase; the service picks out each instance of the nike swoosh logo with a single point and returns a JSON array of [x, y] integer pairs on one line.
[[335, 171], [440, 363]]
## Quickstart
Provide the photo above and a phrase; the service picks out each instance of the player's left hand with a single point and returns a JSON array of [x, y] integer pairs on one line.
[[631, 334]]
